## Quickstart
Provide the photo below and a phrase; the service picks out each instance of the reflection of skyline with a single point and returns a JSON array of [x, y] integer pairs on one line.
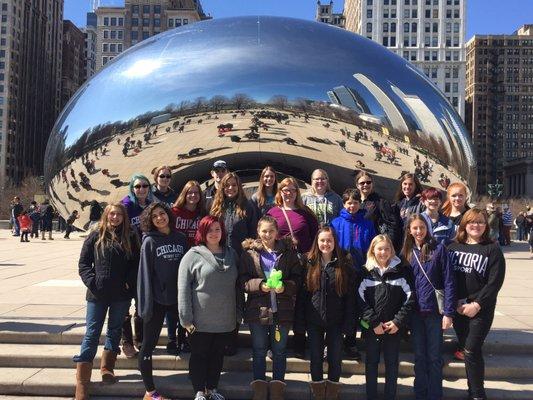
[[347, 97]]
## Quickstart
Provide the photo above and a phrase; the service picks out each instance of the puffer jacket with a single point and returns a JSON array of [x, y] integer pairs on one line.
[[258, 306], [324, 306]]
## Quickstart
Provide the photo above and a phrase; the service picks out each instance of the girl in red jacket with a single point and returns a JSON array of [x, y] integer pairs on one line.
[[25, 223]]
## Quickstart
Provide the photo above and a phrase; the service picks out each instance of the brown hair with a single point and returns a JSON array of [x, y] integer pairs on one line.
[[469, 216], [313, 271], [261, 190], [283, 184], [121, 235], [217, 209], [428, 246], [147, 225], [418, 186], [362, 174], [182, 198], [447, 206], [267, 219], [159, 169]]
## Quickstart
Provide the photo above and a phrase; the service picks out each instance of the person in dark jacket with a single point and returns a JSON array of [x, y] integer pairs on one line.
[[70, 223], [95, 213], [162, 249], [161, 189], [264, 198], [35, 217], [384, 216], [327, 308], [108, 268], [479, 267], [219, 171], [408, 196], [269, 312], [47, 215], [456, 204], [432, 271], [16, 210], [386, 299]]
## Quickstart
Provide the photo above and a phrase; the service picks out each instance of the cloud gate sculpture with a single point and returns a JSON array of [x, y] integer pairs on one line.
[[254, 91]]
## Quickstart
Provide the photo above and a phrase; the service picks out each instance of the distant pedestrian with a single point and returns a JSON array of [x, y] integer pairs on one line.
[[16, 210], [507, 218], [47, 215], [35, 216], [24, 222], [70, 223]]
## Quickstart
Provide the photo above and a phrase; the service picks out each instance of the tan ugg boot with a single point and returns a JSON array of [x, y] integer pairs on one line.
[[83, 379], [259, 389], [318, 389], [277, 390], [107, 366]]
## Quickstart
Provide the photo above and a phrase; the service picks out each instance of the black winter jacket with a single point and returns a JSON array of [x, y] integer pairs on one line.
[[385, 216], [106, 273], [325, 307], [387, 297]]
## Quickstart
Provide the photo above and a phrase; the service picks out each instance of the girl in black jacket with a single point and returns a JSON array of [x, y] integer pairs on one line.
[[327, 307], [386, 298], [108, 267], [480, 270]]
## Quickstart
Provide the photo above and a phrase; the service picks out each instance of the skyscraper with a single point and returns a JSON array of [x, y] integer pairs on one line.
[[73, 64], [30, 83], [499, 113], [428, 33]]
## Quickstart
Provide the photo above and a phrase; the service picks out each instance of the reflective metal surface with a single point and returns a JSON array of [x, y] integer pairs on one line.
[[294, 94]]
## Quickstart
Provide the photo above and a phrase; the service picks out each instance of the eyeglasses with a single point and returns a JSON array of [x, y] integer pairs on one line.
[[288, 191], [141, 186], [364, 183], [165, 176]]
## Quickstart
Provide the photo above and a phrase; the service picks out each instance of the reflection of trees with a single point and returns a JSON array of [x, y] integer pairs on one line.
[[218, 102], [279, 101], [241, 101]]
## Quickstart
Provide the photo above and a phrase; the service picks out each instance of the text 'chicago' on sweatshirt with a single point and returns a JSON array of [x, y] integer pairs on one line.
[[161, 255]]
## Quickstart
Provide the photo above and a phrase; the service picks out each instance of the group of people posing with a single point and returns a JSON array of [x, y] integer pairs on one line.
[[319, 264]]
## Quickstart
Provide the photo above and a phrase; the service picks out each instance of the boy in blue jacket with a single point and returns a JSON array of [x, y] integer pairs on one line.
[[354, 233]]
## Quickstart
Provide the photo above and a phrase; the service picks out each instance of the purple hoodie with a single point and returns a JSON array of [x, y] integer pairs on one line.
[[134, 211]]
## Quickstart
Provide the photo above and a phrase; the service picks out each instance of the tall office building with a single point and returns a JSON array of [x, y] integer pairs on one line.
[[118, 28], [324, 13], [90, 44], [74, 63], [499, 109], [30, 83], [428, 33]]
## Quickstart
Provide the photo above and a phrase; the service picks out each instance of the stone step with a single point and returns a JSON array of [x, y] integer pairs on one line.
[[60, 382], [60, 356], [498, 341]]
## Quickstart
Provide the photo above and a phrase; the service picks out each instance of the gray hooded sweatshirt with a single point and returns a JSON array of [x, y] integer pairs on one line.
[[207, 290], [325, 208], [158, 270]]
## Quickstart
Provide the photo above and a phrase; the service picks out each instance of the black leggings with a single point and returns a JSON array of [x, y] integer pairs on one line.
[[207, 357], [471, 333], [151, 331]]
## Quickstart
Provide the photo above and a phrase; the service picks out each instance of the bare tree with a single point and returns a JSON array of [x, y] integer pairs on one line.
[[279, 101], [241, 101], [218, 102]]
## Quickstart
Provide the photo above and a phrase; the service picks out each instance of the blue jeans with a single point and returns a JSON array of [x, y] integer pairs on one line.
[[96, 312], [390, 345], [333, 339], [261, 336], [427, 343]]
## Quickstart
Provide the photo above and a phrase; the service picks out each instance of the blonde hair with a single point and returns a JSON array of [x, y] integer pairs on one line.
[[323, 172], [121, 235], [370, 257]]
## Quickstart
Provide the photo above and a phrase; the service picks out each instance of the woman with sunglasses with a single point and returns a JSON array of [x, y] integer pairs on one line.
[[480, 271], [138, 198], [386, 217], [161, 189]]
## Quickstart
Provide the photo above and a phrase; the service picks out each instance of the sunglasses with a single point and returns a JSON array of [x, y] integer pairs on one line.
[[165, 176], [288, 191], [141, 186], [365, 183]]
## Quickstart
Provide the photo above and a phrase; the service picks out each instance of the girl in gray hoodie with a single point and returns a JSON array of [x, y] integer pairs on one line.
[[161, 253], [207, 304], [324, 202]]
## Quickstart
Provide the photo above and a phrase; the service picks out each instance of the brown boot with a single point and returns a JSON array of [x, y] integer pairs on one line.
[[259, 389], [277, 390], [332, 390], [318, 389], [107, 366], [83, 379]]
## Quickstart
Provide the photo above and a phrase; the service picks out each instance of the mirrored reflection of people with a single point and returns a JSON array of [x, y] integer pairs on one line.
[[269, 312], [47, 216], [456, 204], [297, 221], [321, 200], [219, 170], [161, 189], [381, 212], [327, 309], [479, 267], [70, 223], [263, 198], [408, 196], [232, 207], [137, 199], [95, 213], [162, 250], [107, 266], [386, 299], [432, 270], [207, 303]]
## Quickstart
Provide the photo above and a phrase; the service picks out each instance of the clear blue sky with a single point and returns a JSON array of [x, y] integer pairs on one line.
[[483, 16]]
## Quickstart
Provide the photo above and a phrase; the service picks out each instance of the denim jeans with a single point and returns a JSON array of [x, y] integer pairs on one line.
[[96, 312], [333, 339], [427, 344], [390, 344], [262, 336]]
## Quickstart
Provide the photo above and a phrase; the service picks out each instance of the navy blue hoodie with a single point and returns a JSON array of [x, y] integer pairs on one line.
[[158, 270]]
